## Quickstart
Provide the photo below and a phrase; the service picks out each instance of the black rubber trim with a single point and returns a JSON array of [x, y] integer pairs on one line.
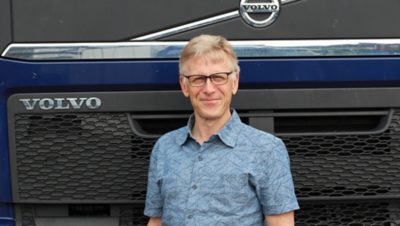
[[150, 125]]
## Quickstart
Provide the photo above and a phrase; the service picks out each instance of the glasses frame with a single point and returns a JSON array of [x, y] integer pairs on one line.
[[206, 77]]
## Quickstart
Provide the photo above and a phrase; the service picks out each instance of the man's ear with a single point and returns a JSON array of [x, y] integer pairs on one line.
[[184, 86], [235, 83]]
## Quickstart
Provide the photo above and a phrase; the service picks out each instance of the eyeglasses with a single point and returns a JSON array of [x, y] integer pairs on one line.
[[219, 78]]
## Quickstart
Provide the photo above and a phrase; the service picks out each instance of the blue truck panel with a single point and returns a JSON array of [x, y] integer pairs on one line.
[[163, 74]]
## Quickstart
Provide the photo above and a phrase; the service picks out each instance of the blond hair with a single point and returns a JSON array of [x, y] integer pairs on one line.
[[212, 47]]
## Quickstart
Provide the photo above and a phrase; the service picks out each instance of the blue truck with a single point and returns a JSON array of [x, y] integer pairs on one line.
[[86, 88]]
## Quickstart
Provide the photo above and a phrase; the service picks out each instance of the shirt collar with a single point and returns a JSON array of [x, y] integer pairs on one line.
[[186, 131], [228, 134]]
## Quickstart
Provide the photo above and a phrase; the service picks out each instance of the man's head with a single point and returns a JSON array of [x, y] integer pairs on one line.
[[214, 48], [209, 75]]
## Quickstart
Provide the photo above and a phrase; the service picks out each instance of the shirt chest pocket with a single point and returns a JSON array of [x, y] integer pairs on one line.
[[230, 187], [233, 183], [226, 192]]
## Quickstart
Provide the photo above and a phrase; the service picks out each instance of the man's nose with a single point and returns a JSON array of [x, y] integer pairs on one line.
[[209, 85]]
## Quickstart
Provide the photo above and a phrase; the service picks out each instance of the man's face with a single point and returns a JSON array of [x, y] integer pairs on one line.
[[210, 101]]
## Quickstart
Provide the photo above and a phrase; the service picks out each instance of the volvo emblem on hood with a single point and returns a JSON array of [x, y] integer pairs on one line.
[[259, 13], [76, 103]]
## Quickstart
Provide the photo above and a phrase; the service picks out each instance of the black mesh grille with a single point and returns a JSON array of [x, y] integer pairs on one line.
[[80, 157], [356, 165], [95, 156], [349, 214]]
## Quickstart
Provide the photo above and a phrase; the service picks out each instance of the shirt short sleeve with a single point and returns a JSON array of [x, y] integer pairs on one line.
[[273, 180]]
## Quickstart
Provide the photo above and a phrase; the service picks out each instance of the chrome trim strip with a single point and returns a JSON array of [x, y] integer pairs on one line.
[[283, 2], [171, 50], [189, 26], [196, 24], [7, 219]]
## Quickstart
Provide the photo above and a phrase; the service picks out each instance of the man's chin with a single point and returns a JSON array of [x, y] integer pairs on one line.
[[210, 115], [207, 114]]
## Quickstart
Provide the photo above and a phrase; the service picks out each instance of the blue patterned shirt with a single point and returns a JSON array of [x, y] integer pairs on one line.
[[236, 177]]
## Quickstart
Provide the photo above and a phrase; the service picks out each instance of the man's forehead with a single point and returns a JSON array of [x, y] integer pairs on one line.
[[208, 60], [202, 65]]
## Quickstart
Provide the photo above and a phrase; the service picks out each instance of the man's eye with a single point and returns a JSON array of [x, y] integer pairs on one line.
[[219, 77], [198, 79]]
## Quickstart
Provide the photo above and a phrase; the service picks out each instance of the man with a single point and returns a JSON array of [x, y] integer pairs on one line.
[[217, 170]]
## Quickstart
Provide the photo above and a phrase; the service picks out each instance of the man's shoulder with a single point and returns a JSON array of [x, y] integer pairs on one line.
[[173, 136], [261, 144], [258, 137]]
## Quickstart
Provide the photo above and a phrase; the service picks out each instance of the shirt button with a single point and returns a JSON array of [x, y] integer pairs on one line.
[[200, 158], [194, 187]]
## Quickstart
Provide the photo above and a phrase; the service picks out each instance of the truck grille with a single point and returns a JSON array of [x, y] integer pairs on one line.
[[76, 157], [92, 157], [351, 165]]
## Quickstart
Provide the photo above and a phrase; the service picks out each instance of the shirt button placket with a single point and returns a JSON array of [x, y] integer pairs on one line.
[[191, 202]]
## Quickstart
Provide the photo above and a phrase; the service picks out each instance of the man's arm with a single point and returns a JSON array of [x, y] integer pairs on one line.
[[153, 205], [154, 221], [284, 219]]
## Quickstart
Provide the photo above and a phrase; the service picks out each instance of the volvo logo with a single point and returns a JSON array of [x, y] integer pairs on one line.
[[62, 103], [259, 13]]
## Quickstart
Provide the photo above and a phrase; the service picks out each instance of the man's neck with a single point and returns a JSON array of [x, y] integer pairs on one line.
[[204, 128]]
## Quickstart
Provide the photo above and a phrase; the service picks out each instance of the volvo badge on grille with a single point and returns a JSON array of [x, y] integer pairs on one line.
[[61, 103], [259, 13]]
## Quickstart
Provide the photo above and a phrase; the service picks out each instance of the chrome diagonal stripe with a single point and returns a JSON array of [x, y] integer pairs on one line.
[[283, 2], [196, 24], [189, 26]]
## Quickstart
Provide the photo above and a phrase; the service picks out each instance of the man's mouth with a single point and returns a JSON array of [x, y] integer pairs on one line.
[[209, 100]]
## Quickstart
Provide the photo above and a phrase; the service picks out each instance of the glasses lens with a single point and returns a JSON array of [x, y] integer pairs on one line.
[[197, 80], [219, 78]]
